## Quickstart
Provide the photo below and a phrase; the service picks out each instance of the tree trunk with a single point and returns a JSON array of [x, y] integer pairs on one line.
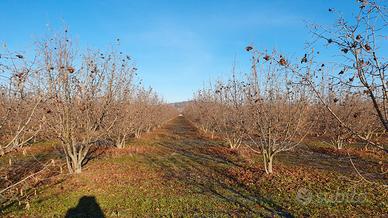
[[268, 160], [120, 143], [339, 143], [75, 158], [74, 165], [138, 134], [234, 143], [78, 167]]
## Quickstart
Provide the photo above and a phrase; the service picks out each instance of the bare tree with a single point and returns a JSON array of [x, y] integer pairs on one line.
[[19, 102], [78, 98], [203, 112], [230, 125], [138, 110], [269, 109], [277, 112], [363, 68], [220, 110]]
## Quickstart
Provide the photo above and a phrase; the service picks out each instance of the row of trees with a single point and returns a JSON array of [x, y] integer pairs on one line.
[[282, 101], [269, 114], [78, 100]]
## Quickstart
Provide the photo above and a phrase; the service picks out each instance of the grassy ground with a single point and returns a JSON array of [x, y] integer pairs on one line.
[[176, 172]]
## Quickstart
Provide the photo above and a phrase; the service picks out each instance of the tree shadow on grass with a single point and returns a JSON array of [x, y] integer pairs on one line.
[[20, 171], [332, 162], [188, 161], [87, 207], [209, 176], [96, 151]]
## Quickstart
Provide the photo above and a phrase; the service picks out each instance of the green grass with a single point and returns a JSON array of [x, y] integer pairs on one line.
[[180, 174]]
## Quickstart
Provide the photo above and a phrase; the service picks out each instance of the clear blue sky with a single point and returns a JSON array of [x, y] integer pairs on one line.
[[178, 45]]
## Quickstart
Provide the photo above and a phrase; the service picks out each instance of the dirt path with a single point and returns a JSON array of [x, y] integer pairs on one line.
[[193, 162]]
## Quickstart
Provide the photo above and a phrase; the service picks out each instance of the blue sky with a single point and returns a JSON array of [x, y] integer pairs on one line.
[[177, 45]]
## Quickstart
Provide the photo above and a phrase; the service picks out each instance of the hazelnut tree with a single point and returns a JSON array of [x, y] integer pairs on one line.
[[361, 42], [277, 109], [20, 120], [80, 94]]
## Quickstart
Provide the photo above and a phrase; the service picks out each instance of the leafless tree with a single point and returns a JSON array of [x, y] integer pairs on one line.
[[360, 42], [266, 108], [79, 97], [19, 103], [220, 110], [277, 111]]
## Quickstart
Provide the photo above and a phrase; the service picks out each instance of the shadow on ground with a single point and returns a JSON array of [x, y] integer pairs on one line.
[[189, 161], [87, 207]]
